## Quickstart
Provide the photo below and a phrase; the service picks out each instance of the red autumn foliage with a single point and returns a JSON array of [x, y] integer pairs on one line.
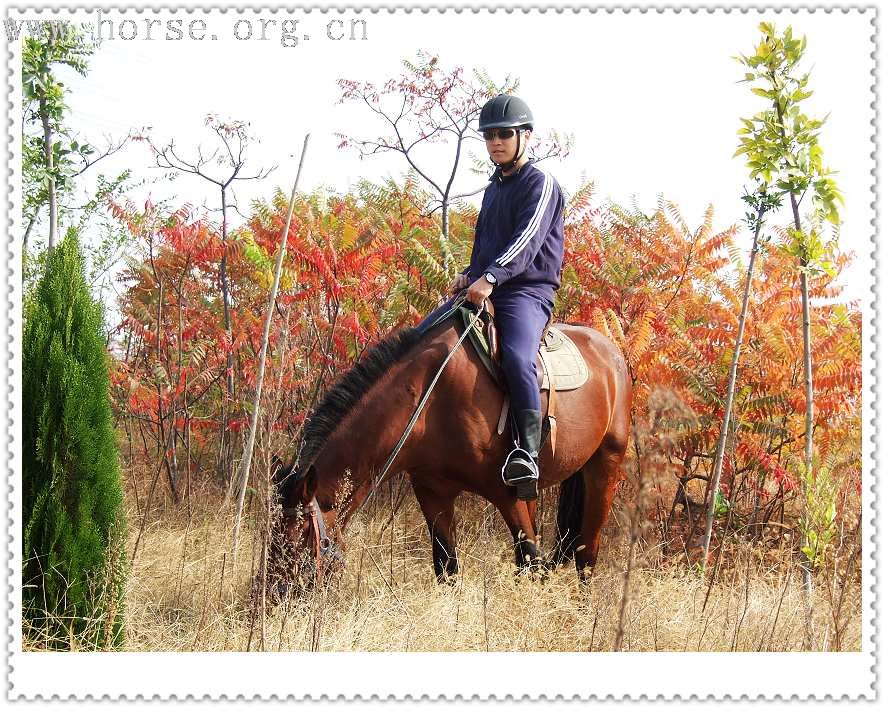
[[359, 266]]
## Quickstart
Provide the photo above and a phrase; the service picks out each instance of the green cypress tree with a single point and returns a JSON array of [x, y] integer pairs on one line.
[[74, 562]]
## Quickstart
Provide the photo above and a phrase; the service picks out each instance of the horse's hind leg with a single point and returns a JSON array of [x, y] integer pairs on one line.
[[600, 477], [439, 513]]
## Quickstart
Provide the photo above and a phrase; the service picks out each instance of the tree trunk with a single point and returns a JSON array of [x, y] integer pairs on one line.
[[47, 155], [807, 577], [446, 257], [225, 454], [162, 441], [712, 487], [28, 231]]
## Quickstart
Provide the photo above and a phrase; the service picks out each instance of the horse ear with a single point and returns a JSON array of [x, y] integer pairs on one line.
[[297, 485]]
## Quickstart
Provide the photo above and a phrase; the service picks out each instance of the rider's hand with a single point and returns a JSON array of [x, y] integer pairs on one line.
[[459, 283], [479, 291]]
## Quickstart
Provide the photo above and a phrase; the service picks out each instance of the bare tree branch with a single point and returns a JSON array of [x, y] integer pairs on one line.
[[111, 149]]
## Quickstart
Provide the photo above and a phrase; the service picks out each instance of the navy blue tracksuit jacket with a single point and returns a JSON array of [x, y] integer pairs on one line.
[[520, 240], [520, 233]]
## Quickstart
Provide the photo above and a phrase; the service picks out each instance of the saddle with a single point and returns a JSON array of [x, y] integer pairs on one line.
[[560, 365]]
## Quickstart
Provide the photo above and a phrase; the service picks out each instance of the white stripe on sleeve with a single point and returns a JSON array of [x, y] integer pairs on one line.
[[531, 229]]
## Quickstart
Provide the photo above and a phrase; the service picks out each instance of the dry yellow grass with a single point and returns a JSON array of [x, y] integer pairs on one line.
[[185, 595]]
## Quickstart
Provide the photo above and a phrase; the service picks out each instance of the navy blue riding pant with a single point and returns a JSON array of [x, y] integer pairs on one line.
[[520, 318]]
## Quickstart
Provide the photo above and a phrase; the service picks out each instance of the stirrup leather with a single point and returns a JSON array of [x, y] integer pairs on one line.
[[522, 469]]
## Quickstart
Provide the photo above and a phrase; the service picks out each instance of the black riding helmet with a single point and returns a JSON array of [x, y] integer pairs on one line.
[[505, 111]]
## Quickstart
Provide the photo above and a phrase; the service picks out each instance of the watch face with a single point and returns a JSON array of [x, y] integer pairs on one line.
[[490, 278]]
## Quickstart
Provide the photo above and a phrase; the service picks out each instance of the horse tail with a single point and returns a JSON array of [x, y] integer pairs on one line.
[[569, 517]]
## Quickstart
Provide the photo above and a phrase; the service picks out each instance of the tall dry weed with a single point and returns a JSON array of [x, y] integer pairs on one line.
[[185, 594]]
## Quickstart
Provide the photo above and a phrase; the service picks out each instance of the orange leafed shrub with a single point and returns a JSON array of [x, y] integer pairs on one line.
[[361, 264]]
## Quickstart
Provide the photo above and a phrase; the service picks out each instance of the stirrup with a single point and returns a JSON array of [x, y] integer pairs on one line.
[[523, 474]]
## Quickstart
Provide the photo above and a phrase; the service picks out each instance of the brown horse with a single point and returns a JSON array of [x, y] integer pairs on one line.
[[453, 448]]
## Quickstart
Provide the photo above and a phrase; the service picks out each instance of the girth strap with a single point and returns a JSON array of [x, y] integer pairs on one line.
[[501, 421]]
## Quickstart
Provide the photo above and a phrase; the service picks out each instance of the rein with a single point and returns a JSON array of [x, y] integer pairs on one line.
[[323, 544]]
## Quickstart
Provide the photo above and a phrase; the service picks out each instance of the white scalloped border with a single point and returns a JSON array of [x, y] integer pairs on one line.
[[11, 356]]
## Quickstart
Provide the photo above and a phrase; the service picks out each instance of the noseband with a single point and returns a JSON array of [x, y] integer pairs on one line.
[[323, 545]]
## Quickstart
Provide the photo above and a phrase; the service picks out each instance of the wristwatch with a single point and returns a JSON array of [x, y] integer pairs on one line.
[[490, 278]]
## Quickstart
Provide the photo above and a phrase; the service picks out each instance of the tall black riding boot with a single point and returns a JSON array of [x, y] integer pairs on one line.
[[520, 469]]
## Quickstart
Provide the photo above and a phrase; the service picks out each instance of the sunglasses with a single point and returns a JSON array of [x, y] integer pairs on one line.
[[502, 133]]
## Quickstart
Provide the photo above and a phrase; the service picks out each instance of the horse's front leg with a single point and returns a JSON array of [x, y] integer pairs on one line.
[[519, 517], [438, 510]]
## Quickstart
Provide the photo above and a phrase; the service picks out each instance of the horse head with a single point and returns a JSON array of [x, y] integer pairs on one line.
[[287, 559], [301, 548]]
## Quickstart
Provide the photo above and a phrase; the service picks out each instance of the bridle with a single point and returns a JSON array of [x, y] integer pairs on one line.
[[324, 547]]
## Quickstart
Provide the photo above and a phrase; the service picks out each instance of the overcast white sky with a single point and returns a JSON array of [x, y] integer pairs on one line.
[[651, 98]]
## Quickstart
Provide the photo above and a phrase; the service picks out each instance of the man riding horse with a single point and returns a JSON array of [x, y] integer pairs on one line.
[[360, 431], [516, 262]]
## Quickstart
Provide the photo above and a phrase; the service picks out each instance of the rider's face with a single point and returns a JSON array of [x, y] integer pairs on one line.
[[503, 149]]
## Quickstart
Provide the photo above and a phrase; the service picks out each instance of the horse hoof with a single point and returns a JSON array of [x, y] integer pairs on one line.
[[536, 569]]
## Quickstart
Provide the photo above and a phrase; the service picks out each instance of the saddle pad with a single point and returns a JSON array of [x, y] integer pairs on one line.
[[560, 352], [565, 361]]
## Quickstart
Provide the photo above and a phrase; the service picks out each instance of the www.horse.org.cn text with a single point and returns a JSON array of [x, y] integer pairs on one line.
[[288, 32]]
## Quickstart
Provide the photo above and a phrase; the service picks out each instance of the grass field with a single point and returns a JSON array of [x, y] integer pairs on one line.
[[185, 594]]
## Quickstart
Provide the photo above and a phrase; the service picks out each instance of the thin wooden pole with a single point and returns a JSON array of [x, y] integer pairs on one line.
[[712, 487], [247, 456]]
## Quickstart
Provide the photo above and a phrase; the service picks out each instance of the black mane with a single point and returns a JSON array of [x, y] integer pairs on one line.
[[349, 389]]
